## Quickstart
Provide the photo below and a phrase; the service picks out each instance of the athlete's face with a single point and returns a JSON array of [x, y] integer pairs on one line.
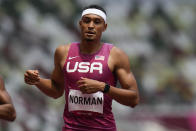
[[92, 27]]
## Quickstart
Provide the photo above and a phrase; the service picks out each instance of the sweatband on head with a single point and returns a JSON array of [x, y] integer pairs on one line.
[[96, 12]]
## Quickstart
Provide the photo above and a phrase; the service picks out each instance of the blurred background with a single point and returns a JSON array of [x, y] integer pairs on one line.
[[158, 35]]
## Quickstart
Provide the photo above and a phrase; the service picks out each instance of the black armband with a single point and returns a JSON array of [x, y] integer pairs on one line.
[[107, 88]]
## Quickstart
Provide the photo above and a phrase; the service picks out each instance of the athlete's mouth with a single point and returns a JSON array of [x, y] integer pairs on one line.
[[90, 32]]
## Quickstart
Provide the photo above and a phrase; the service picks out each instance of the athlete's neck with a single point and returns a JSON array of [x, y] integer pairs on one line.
[[90, 47]]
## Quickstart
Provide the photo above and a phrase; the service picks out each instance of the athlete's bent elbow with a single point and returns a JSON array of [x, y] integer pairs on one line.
[[57, 96], [135, 102], [57, 93], [11, 113], [13, 117]]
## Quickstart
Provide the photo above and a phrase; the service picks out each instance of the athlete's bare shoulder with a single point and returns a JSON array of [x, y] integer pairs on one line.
[[123, 59], [117, 50], [62, 51]]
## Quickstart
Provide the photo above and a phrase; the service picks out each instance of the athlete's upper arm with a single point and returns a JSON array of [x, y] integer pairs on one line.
[[6, 106], [122, 69], [59, 59], [4, 97]]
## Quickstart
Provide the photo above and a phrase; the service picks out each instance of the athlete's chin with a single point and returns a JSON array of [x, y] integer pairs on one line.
[[89, 39]]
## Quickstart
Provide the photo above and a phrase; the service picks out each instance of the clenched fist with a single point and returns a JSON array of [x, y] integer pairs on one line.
[[32, 77], [89, 86]]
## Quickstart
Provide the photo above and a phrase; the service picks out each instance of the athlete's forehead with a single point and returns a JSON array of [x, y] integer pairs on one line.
[[92, 16]]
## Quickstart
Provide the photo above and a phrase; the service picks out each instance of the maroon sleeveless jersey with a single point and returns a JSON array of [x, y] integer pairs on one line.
[[87, 112]]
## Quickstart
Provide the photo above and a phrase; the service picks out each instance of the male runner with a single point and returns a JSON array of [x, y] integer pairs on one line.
[[7, 111], [88, 71]]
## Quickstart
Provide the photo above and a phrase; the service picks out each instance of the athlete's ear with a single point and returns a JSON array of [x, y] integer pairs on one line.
[[80, 23], [105, 27]]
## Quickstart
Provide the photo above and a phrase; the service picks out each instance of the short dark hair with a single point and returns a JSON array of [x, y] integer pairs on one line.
[[95, 7]]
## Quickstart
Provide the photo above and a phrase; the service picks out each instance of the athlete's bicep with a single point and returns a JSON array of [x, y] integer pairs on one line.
[[57, 74], [59, 60], [126, 79], [4, 96], [123, 72], [57, 78]]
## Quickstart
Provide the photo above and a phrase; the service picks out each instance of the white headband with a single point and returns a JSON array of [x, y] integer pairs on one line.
[[96, 12]]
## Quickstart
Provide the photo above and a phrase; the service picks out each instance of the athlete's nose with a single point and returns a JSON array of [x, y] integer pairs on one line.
[[91, 25]]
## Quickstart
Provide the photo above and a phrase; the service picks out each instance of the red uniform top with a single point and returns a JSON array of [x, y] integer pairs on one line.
[[92, 112]]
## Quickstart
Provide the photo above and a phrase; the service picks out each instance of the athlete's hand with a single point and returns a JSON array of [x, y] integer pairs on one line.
[[32, 77], [88, 86]]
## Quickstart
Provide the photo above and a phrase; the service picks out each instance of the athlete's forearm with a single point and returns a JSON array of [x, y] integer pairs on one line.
[[7, 112], [48, 88], [124, 96]]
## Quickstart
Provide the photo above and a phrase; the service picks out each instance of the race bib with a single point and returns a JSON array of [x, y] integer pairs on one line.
[[77, 101]]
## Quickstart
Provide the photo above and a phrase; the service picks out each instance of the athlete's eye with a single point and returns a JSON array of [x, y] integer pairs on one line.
[[86, 20], [97, 21]]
